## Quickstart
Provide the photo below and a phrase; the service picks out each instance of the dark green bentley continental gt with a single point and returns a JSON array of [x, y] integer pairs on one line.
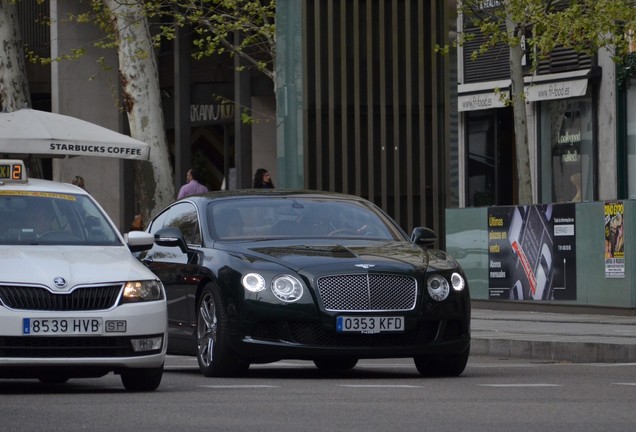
[[259, 276]]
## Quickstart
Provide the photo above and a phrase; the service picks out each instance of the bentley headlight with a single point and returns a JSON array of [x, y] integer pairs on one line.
[[141, 291], [287, 288], [253, 282], [438, 287], [457, 281]]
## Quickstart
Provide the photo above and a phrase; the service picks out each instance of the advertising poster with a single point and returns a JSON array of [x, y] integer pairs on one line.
[[532, 252], [614, 245]]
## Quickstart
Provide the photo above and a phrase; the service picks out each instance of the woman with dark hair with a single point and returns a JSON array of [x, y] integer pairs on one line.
[[262, 179], [78, 181]]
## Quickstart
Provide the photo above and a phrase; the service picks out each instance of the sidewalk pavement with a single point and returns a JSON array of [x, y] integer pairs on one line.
[[568, 337]]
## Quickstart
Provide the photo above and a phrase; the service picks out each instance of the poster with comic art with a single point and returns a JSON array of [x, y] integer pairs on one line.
[[532, 252], [614, 240]]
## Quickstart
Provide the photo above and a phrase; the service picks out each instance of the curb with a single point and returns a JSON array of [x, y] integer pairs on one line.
[[573, 352]]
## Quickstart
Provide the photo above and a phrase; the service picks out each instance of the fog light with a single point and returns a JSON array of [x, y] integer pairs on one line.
[[147, 344]]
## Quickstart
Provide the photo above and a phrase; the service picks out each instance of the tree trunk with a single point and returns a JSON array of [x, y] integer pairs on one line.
[[14, 84], [142, 101], [14, 87], [524, 175]]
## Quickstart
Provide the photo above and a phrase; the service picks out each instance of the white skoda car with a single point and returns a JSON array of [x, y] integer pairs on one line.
[[74, 302]]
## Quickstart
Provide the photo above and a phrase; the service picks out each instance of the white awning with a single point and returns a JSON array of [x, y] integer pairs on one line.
[[481, 101], [41, 133], [556, 90], [483, 95]]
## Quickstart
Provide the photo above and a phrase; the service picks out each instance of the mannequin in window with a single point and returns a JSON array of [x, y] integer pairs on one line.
[[576, 181]]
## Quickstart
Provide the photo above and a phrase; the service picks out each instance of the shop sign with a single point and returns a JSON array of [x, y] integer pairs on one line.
[[211, 113], [482, 101], [556, 90]]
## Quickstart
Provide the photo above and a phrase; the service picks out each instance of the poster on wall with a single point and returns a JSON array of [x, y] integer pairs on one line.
[[532, 252], [614, 245]]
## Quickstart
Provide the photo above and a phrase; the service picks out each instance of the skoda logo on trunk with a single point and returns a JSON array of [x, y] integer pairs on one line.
[[365, 266], [59, 282]]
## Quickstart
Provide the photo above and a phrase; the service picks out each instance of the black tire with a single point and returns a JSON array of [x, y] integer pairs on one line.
[[449, 365], [213, 349], [335, 364], [142, 379]]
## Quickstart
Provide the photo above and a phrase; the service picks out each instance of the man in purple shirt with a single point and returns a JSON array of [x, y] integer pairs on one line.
[[192, 186]]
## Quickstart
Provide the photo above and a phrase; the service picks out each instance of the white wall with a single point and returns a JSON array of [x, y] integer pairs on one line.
[[264, 147]]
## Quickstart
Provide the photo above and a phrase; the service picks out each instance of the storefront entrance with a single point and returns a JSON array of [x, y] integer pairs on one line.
[[567, 150], [490, 157]]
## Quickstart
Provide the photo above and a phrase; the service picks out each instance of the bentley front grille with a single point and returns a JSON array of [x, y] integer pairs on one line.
[[367, 292], [41, 299]]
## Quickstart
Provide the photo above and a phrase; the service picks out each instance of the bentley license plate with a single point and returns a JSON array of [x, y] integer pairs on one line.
[[369, 324], [61, 326]]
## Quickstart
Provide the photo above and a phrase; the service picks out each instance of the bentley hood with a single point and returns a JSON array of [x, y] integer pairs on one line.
[[396, 256]]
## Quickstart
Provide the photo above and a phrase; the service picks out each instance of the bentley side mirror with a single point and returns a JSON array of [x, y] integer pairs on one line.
[[171, 237], [423, 236]]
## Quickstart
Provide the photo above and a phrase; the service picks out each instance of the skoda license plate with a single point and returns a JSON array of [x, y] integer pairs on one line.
[[369, 324], [61, 326]]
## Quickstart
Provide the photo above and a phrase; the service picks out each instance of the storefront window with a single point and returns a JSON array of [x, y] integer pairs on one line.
[[631, 141], [567, 148], [490, 158]]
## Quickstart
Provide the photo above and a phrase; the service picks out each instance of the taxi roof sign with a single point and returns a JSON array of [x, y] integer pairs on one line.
[[12, 171]]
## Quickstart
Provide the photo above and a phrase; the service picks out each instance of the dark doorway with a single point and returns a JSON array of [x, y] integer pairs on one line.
[[490, 158]]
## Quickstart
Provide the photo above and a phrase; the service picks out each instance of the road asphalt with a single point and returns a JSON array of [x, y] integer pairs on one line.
[[548, 336]]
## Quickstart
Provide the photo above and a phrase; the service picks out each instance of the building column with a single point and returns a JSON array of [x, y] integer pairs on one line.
[[183, 133], [289, 95]]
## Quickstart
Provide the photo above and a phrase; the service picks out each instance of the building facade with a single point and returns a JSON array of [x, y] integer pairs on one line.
[[363, 100], [572, 118], [573, 246], [201, 125], [361, 107]]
